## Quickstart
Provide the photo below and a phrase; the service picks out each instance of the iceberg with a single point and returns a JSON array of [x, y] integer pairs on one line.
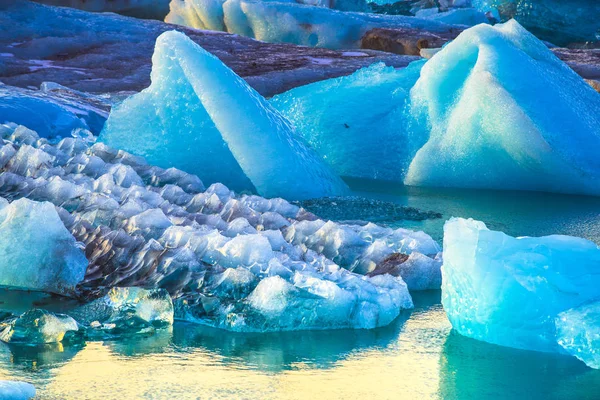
[[50, 114], [578, 333], [465, 118], [199, 116], [333, 116], [557, 21], [31, 258], [510, 291], [14, 390], [39, 327], [488, 125], [315, 24], [209, 248]]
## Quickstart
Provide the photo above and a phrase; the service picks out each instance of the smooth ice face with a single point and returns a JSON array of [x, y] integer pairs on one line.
[[492, 125], [38, 327], [356, 123], [32, 258], [509, 291], [199, 116], [16, 390], [578, 332]]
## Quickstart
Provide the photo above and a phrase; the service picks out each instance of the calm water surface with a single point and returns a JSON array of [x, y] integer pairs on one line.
[[417, 357]]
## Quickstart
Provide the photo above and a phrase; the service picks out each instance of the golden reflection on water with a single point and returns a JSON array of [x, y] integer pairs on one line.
[[417, 357], [404, 367]]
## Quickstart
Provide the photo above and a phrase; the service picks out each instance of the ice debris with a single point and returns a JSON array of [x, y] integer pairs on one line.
[[471, 119], [126, 310], [37, 252], [201, 117], [211, 249], [38, 327], [510, 291], [14, 390]]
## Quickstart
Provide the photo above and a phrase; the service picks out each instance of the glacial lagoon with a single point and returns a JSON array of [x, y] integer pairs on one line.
[[417, 356]]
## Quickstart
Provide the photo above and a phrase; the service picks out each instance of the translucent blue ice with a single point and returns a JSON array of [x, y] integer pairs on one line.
[[509, 291], [578, 332], [46, 113], [45, 259], [199, 116], [493, 125], [466, 118], [16, 390], [356, 122]]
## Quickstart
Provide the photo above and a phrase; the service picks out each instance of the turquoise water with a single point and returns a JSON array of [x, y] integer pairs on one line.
[[417, 357]]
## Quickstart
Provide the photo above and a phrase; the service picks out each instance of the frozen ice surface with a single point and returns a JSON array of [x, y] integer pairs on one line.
[[334, 115], [287, 21], [210, 249], [50, 113], [490, 125], [38, 327], [199, 116], [14, 390], [578, 332], [33, 258], [126, 310], [509, 291]]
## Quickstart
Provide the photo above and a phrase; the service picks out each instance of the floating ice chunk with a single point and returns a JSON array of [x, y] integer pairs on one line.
[[557, 21], [13, 390], [127, 310], [508, 291], [39, 327], [331, 116], [578, 332], [201, 117], [491, 125], [45, 259], [235, 283]]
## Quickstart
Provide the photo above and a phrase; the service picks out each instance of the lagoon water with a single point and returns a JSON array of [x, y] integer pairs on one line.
[[417, 357]]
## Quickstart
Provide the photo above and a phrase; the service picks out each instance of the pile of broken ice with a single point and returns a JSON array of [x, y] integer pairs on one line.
[[238, 262]]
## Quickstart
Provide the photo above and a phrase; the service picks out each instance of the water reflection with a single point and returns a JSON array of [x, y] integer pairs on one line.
[[276, 352], [470, 369], [517, 213]]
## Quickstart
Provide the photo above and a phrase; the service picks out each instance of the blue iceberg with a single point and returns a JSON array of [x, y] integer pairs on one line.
[[512, 291], [471, 119], [47, 259], [200, 117]]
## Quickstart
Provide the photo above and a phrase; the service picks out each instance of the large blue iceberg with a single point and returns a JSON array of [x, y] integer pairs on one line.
[[471, 119], [521, 292], [199, 116]]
